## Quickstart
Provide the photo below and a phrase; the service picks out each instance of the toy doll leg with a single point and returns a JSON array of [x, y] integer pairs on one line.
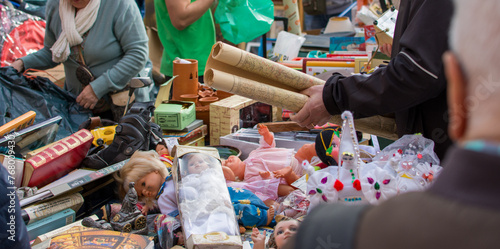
[[284, 190], [251, 216]]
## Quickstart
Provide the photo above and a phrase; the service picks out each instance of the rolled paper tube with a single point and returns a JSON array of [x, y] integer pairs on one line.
[[255, 90], [264, 68]]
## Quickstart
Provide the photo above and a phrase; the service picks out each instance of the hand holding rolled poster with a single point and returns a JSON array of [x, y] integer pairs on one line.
[[239, 72]]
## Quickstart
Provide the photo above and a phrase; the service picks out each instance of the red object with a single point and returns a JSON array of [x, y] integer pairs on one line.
[[22, 40], [338, 185], [57, 160], [357, 185]]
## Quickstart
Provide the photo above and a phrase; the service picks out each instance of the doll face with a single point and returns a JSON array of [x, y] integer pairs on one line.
[[284, 230], [149, 185], [197, 164], [234, 163], [348, 161], [162, 150]]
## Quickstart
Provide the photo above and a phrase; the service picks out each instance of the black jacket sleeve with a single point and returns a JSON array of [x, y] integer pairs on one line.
[[414, 74]]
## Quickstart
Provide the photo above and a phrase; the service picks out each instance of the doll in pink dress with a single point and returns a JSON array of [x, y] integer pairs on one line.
[[275, 168]]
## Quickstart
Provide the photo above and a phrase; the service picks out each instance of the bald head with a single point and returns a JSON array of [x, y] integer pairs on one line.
[[474, 37]]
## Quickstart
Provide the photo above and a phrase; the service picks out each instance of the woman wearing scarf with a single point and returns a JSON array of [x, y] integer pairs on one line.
[[105, 36]]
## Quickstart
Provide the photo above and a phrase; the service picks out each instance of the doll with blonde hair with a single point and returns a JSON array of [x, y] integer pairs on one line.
[[150, 176]]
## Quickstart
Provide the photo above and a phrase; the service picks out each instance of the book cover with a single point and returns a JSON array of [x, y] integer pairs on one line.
[[50, 223], [84, 237], [31, 138], [71, 181], [18, 123], [57, 160], [39, 211], [347, 44], [47, 236], [15, 167]]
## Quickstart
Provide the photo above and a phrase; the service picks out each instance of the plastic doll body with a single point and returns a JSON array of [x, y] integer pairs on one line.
[[267, 162]]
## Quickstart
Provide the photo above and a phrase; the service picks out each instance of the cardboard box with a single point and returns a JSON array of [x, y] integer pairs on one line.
[[225, 116], [175, 115]]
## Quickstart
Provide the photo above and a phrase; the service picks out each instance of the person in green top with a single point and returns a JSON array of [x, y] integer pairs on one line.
[[186, 30]]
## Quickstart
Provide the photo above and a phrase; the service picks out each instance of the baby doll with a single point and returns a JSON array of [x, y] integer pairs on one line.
[[163, 148], [283, 231], [268, 161], [149, 174], [203, 196]]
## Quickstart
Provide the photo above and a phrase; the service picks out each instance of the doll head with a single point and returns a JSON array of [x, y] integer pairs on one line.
[[236, 165], [306, 152], [283, 231], [161, 149], [195, 163], [327, 146], [146, 170]]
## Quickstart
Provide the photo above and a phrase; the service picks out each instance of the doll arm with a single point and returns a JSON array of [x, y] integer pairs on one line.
[[259, 240], [266, 134], [265, 174], [228, 173], [287, 174]]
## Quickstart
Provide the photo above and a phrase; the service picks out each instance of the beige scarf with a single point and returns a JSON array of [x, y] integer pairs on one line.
[[73, 27]]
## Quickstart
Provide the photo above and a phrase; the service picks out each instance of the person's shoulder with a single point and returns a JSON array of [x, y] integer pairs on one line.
[[52, 4]]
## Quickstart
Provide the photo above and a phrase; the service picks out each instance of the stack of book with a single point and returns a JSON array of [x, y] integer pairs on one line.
[[65, 192], [194, 134]]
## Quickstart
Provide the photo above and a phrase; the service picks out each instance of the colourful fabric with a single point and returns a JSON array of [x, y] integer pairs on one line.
[[250, 210], [115, 48], [193, 42]]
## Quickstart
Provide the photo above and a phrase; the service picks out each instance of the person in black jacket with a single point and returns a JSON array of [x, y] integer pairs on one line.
[[412, 86], [461, 209]]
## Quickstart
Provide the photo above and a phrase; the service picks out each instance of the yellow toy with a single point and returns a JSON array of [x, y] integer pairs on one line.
[[106, 133]]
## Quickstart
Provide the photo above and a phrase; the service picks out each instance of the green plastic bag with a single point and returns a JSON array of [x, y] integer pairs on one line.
[[244, 20]]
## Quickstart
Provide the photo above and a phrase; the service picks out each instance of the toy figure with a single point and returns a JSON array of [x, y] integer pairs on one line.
[[268, 161], [129, 219], [283, 231], [150, 175], [327, 147], [203, 196]]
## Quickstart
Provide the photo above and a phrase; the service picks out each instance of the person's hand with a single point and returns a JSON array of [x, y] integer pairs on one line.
[[259, 239], [145, 210], [386, 49], [18, 65], [314, 111], [87, 98]]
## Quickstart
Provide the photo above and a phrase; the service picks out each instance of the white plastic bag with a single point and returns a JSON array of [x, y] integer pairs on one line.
[[287, 46]]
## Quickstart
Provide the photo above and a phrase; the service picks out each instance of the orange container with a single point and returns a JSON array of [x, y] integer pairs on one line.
[[187, 80]]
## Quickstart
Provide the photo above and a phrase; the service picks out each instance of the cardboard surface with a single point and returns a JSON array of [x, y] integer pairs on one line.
[[175, 115], [225, 116]]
